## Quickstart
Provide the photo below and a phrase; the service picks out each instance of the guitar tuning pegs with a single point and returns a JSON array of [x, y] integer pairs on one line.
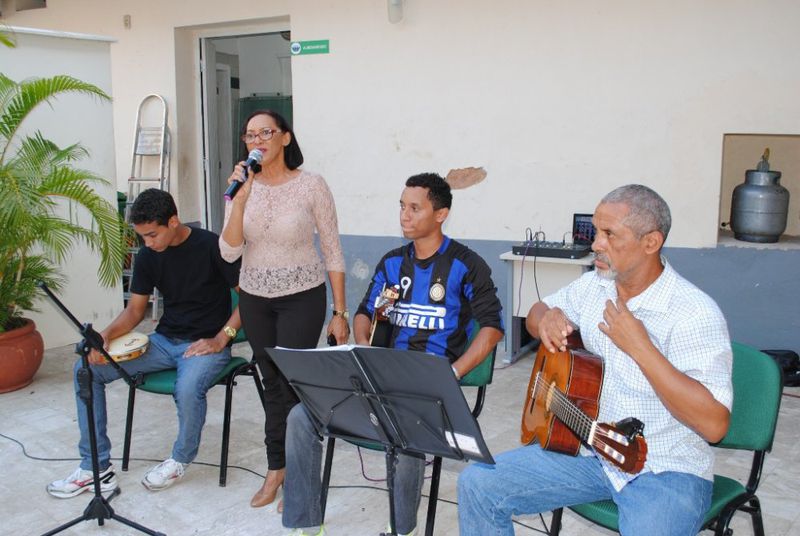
[[631, 427]]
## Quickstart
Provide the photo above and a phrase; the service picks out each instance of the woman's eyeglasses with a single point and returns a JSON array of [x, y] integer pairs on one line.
[[265, 134]]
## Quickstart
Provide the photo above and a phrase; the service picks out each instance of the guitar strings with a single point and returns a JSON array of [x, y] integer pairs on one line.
[[578, 421], [559, 401]]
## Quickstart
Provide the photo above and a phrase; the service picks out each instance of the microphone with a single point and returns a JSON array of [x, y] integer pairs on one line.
[[254, 157]]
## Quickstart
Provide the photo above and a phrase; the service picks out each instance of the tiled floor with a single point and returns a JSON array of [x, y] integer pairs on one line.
[[42, 417]]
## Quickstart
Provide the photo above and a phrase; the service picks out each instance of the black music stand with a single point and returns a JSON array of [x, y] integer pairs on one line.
[[99, 507], [407, 401]]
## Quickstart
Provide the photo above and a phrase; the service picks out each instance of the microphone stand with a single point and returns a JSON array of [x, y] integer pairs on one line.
[[99, 507]]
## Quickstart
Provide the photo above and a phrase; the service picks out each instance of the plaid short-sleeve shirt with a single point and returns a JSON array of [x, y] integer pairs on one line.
[[688, 328]]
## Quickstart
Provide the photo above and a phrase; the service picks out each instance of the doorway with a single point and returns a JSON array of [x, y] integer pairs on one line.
[[239, 74]]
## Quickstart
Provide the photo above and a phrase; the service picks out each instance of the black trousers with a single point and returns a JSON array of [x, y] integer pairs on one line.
[[293, 321]]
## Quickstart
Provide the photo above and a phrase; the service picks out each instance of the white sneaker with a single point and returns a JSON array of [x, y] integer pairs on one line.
[[389, 530], [82, 480], [302, 532], [163, 475]]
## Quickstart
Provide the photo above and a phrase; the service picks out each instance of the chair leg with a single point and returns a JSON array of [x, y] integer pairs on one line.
[[433, 498], [126, 449], [326, 475], [755, 513], [226, 429], [555, 522], [724, 519]]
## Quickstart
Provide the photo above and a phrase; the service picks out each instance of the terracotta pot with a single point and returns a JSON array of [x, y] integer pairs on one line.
[[21, 352]]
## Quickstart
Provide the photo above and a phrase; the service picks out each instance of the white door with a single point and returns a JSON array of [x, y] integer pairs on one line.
[[211, 163], [263, 79], [225, 136]]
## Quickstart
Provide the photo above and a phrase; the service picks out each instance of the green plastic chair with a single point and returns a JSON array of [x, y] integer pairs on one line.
[[756, 400], [480, 377], [163, 383]]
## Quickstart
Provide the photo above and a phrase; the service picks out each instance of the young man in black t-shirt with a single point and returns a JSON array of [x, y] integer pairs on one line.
[[193, 335]]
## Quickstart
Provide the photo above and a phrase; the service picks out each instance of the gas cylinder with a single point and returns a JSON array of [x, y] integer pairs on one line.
[[760, 205]]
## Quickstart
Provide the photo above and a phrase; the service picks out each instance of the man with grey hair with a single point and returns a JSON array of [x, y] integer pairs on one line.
[[667, 362]]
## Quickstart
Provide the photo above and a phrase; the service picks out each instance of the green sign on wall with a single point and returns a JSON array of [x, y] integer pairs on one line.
[[321, 46]]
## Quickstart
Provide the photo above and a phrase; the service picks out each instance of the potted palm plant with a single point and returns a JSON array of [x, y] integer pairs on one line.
[[47, 205]]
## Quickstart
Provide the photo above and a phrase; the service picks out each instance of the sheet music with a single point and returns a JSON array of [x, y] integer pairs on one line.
[[465, 442], [340, 348]]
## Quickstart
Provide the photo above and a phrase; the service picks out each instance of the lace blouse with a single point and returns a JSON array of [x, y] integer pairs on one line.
[[278, 253]]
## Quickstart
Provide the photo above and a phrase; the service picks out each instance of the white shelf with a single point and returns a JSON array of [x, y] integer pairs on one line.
[[588, 260]]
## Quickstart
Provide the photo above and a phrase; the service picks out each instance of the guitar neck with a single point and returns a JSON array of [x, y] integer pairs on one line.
[[372, 327], [568, 413]]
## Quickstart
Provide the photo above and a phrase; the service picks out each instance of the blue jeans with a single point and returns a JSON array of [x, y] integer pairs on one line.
[[303, 484], [530, 480], [194, 378]]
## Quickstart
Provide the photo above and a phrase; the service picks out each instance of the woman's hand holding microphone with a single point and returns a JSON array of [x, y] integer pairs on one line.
[[241, 180]]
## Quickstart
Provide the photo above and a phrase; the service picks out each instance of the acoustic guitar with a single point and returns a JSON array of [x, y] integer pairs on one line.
[[561, 408], [380, 333]]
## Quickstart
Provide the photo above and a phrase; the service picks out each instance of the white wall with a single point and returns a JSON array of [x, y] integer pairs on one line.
[[143, 61], [558, 101], [72, 118]]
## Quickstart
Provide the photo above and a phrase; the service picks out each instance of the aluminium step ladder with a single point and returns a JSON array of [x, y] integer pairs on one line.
[[150, 168]]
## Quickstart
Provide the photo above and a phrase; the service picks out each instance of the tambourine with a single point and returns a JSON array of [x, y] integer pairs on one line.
[[128, 346]]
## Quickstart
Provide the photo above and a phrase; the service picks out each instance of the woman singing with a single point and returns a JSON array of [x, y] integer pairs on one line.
[[270, 223]]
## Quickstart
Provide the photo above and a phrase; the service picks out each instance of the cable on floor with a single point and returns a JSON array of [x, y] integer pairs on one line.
[[248, 470]]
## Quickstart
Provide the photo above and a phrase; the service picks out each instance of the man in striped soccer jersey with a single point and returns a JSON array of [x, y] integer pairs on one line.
[[443, 286]]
